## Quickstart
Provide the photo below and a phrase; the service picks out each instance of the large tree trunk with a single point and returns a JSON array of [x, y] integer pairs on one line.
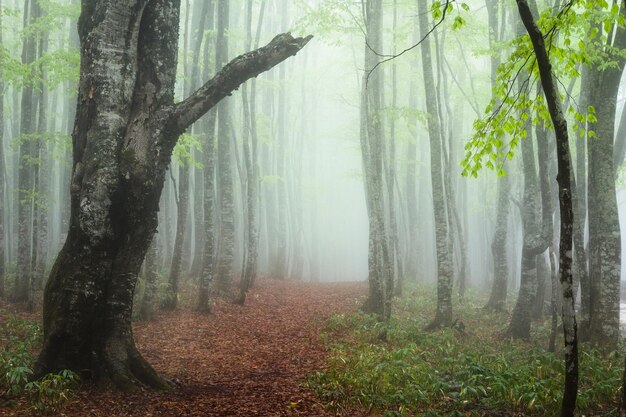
[[126, 127]]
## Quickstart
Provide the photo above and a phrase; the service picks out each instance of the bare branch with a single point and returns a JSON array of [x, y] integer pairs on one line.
[[235, 73]]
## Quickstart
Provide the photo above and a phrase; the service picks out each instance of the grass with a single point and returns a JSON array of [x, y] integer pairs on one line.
[[20, 339], [465, 370]]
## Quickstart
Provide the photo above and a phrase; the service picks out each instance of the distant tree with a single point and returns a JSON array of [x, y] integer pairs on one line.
[[499, 242], [208, 173], [27, 158], [2, 172], [225, 195], [251, 157], [190, 70], [125, 130]]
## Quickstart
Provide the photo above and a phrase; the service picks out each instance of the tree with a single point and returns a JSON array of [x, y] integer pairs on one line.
[[26, 188], [208, 173], [226, 199], [125, 130], [565, 204], [250, 148], [445, 271], [2, 169], [371, 135], [604, 228], [499, 241]]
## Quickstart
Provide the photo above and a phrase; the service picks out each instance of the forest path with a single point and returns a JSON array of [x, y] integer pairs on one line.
[[247, 360]]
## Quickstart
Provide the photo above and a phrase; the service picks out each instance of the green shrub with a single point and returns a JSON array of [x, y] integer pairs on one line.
[[20, 340], [453, 371]]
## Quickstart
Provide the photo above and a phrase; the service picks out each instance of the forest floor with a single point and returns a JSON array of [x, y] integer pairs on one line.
[[250, 360]]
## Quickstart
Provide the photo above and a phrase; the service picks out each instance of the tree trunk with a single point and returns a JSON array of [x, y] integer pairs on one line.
[[372, 151], [208, 129], [27, 155], [252, 168], [42, 199], [151, 283], [604, 227], [499, 243], [443, 315], [226, 246], [2, 179], [566, 209], [125, 130]]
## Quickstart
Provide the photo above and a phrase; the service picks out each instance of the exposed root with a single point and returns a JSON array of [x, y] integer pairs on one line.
[[118, 364]]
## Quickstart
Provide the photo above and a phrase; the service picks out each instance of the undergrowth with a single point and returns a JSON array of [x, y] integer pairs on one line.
[[468, 369], [19, 340]]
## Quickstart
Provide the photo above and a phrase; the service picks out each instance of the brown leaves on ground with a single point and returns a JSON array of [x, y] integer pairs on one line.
[[249, 360]]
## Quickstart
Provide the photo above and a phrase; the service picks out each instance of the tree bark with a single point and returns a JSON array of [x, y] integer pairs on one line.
[[26, 188], [499, 242], [151, 283], [372, 151], [208, 131], [126, 127], [2, 178], [604, 227], [226, 202], [566, 209], [42, 171], [443, 315]]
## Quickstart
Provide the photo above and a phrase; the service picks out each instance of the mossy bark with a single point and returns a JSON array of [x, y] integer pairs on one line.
[[125, 130]]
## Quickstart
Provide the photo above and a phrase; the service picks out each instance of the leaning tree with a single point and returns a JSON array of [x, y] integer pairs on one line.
[[125, 129]]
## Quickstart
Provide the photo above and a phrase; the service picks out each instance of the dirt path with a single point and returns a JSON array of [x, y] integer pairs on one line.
[[240, 361]]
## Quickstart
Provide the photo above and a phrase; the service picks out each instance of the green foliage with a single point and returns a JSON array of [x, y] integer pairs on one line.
[[574, 36], [50, 392], [454, 370], [439, 8], [184, 150], [20, 340]]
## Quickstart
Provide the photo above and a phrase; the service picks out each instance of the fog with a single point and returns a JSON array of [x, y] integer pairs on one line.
[[312, 213]]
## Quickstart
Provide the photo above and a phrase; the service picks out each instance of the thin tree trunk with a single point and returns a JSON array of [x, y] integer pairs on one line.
[[27, 155], [499, 243], [2, 178], [226, 246], [252, 167], [41, 205], [443, 315], [566, 209], [209, 121]]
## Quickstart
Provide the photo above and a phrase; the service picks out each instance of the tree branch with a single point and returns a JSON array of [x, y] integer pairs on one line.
[[235, 73]]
